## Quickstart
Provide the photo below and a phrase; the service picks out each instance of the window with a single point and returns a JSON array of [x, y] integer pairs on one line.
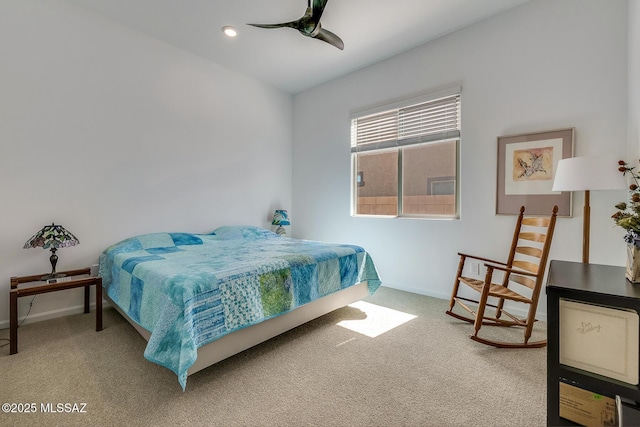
[[408, 152]]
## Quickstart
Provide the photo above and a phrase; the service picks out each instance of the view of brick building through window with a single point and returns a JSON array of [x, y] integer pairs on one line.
[[428, 180], [405, 157]]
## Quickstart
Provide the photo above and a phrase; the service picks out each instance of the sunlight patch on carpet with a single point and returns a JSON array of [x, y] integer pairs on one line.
[[378, 319]]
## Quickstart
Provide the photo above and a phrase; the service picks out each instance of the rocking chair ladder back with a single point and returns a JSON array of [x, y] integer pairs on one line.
[[524, 269]]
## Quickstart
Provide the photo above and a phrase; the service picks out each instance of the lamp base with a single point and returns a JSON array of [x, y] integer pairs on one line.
[[280, 231], [52, 275]]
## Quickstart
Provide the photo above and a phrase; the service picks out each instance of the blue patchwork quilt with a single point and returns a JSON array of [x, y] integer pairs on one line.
[[191, 289]]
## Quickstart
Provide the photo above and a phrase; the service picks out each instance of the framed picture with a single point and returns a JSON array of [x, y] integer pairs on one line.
[[526, 168]]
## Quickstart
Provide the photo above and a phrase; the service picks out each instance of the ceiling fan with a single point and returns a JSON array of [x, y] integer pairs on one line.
[[309, 24]]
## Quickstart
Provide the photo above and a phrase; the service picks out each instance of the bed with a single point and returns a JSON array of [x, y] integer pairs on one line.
[[200, 298]]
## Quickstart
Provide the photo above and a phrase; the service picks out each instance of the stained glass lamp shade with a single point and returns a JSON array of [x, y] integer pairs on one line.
[[280, 218], [52, 237]]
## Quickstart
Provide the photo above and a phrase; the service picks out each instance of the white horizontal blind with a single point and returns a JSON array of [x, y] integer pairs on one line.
[[377, 128], [433, 120]]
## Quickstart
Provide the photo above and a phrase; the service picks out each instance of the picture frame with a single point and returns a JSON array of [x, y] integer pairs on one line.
[[526, 170]]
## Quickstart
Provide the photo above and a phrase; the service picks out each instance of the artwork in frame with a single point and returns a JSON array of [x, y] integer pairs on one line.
[[526, 169]]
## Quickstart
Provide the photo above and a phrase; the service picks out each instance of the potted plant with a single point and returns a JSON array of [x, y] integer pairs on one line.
[[628, 217]]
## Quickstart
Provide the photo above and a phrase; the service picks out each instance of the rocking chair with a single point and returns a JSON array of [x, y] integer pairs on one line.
[[524, 269]]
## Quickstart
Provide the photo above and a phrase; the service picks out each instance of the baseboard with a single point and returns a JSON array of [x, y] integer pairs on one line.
[[52, 314], [418, 291], [38, 317], [516, 311]]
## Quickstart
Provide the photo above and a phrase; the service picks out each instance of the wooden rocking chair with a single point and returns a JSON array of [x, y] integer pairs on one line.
[[524, 268]]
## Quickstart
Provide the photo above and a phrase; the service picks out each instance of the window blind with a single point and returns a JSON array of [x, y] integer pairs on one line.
[[433, 120]]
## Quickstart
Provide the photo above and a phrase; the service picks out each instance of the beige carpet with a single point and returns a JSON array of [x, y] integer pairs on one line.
[[425, 372]]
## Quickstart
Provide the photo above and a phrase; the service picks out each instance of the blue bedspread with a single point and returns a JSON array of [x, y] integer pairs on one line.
[[191, 289]]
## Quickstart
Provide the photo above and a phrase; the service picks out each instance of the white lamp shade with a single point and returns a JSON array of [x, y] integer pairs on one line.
[[588, 173]]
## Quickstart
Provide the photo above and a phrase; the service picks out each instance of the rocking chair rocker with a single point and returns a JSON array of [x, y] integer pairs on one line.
[[525, 268]]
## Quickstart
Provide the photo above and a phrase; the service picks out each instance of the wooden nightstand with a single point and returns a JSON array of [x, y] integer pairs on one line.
[[73, 279]]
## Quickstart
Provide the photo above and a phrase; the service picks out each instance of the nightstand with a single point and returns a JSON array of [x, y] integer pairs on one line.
[[593, 287], [32, 285]]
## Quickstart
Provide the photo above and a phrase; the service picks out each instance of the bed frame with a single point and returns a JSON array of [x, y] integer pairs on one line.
[[240, 340]]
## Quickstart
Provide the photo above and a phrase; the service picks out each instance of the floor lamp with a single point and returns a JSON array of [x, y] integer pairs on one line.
[[586, 174]]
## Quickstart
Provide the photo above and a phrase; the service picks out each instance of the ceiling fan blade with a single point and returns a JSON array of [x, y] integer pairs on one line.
[[329, 37], [284, 24], [317, 8]]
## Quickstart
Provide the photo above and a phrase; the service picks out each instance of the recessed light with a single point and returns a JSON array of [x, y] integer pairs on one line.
[[229, 31]]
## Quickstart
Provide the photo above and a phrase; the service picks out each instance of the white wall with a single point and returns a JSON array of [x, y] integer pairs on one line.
[[634, 79], [111, 134], [542, 66]]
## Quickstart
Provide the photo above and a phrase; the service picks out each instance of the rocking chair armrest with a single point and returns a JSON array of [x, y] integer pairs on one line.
[[482, 259], [512, 270]]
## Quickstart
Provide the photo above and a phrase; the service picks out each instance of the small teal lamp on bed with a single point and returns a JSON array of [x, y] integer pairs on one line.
[[52, 236], [280, 218]]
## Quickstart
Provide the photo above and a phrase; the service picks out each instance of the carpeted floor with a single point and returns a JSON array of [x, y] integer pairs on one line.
[[424, 372]]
